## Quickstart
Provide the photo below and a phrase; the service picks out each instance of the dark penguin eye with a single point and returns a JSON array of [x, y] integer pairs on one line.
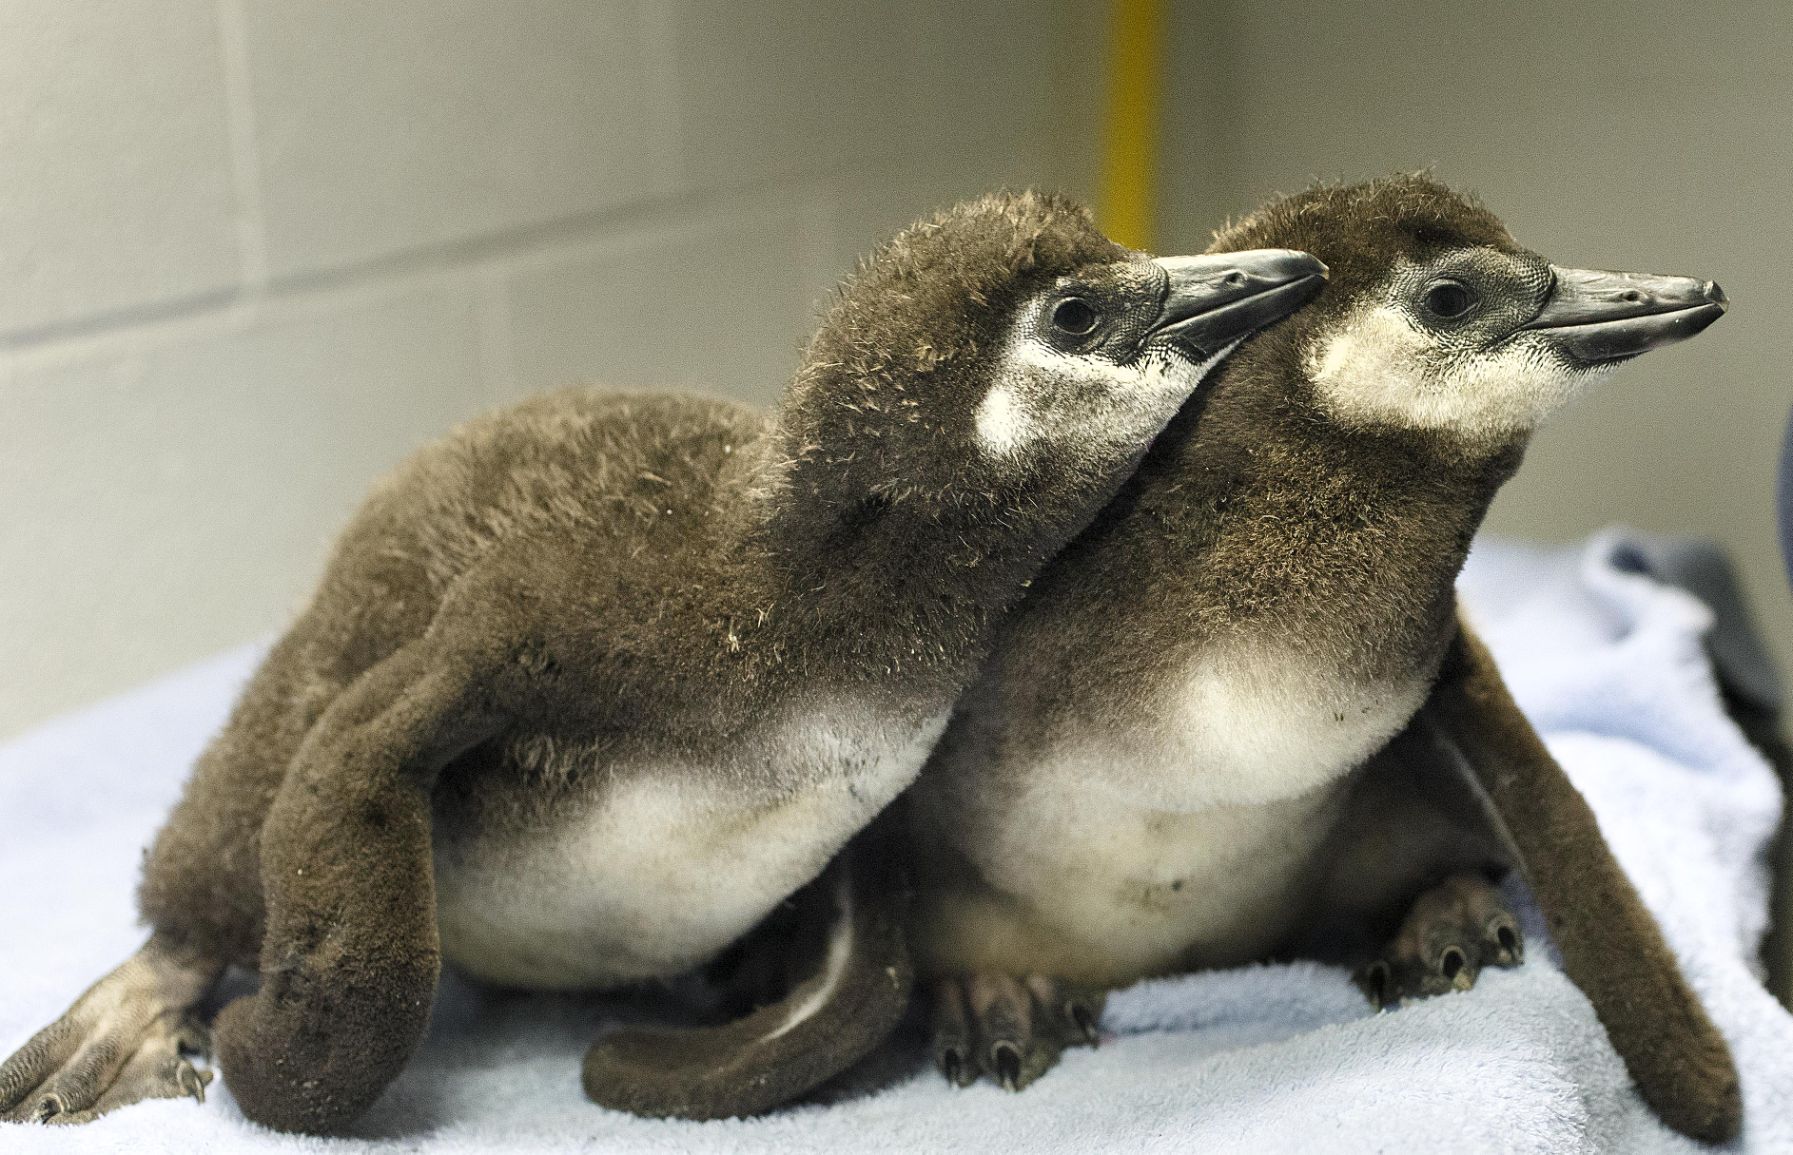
[[1449, 300], [1074, 316]]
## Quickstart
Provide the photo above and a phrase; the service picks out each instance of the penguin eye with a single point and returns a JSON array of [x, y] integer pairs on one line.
[[1449, 300], [1074, 316]]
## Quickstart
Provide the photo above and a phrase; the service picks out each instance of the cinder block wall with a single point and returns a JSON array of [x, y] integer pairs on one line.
[[254, 251]]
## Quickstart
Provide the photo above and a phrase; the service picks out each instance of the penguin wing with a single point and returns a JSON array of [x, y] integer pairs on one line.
[[1611, 946], [856, 990], [350, 955]]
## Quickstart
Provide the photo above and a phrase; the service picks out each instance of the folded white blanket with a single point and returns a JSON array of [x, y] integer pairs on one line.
[[1607, 662]]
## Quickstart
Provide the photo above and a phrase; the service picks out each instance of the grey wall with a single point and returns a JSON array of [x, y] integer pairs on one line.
[[1639, 135], [253, 251]]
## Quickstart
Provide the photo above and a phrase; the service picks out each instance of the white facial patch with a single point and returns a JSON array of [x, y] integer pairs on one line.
[[1379, 368], [1002, 425], [1044, 396]]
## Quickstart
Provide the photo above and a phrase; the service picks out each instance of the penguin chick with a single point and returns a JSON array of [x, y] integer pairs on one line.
[[1165, 764], [592, 685]]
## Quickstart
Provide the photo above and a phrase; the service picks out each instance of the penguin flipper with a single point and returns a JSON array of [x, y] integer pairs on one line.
[[351, 953], [858, 992], [1611, 946]]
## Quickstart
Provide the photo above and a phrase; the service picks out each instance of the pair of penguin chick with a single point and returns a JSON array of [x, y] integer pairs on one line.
[[1239, 715], [596, 684]]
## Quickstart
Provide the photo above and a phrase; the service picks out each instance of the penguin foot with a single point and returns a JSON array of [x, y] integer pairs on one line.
[[1452, 931], [131, 1037], [1012, 1030]]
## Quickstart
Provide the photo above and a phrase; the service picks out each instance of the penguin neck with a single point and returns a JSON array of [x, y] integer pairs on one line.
[[1318, 537], [913, 584]]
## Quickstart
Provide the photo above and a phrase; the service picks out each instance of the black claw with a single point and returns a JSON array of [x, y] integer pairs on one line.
[[1086, 1023], [1008, 1065], [952, 1065], [1512, 950], [191, 1083], [47, 1108], [1375, 984]]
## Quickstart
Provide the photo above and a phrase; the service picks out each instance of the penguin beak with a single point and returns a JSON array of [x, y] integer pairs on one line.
[[1218, 298], [1602, 317]]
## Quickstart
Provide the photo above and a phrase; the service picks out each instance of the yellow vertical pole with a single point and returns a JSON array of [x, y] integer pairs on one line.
[[1128, 206]]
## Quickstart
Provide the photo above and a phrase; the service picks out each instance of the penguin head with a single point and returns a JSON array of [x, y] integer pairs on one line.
[[1436, 321], [1005, 354]]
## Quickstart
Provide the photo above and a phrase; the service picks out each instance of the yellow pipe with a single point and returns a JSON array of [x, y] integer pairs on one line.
[[1128, 205]]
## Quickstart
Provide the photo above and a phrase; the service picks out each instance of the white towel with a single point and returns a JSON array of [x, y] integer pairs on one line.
[[1607, 662]]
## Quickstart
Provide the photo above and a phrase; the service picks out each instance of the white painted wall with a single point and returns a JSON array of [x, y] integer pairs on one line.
[[1643, 134], [254, 251]]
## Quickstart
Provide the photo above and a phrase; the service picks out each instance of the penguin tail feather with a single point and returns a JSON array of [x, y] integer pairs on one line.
[[852, 1001]]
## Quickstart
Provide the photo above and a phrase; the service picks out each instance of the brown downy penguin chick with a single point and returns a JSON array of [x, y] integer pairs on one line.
[[1169, 762], [593, 684]]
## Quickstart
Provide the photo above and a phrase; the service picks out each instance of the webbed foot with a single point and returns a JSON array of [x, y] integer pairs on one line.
[[1452, 932], [131, 1037], [1013, 1030]]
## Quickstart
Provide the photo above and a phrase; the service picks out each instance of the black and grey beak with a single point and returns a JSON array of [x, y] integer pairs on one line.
[[1218, 298], [1594, 316]]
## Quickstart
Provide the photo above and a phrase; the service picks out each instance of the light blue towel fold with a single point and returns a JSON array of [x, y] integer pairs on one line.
[[1607, 662]]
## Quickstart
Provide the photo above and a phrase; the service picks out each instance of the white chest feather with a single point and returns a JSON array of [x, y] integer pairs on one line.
[[1250, 723], [668, 865], [1189, 834]]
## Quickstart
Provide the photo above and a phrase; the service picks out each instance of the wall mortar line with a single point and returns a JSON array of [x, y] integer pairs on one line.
[[245, 152]]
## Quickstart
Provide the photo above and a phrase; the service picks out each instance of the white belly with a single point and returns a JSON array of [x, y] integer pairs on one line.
[[664, 869], [1152, 890], [1188, 837]]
